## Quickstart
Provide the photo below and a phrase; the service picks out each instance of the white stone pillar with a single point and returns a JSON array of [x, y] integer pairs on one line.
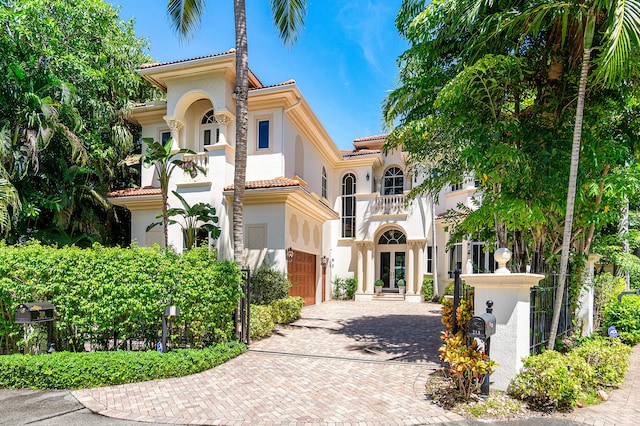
[[411, 264], [584, 312], [369, 268], [360, 269], [420, 268], [511, 296], [175, 126]]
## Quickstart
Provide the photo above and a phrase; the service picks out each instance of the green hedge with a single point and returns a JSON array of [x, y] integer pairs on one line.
[[551, 381], [105, 295], [625, 316], [69, 370], [265, 317]]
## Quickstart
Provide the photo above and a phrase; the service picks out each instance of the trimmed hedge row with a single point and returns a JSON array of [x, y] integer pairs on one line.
[[109, 297], [265, 317], [69, 370]]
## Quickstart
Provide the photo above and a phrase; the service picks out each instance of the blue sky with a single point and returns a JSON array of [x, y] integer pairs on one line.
[[344, 61]]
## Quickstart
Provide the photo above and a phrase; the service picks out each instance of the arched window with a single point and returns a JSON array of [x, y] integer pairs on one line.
[[209, 131], [324, 182], [392, 236], [393, 182], [349, 206]]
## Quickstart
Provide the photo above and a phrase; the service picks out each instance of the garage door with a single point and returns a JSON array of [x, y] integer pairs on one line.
[[302, 274]]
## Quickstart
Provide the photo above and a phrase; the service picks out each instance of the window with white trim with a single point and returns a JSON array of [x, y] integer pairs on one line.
[[482, 258], [263, 134], [349, 206], [393, 183], [324, 182], [429, 259], [455, 257]]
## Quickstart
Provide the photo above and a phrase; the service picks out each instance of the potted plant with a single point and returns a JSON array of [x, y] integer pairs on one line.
[[378, 286], [402, 286]]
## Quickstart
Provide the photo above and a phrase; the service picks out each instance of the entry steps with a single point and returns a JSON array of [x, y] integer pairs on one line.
[[389, 297]]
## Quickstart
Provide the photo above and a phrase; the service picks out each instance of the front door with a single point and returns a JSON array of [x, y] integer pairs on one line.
[[392, 265]]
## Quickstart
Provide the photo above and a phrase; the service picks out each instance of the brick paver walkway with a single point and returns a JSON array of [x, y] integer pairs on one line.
[[342, 363]]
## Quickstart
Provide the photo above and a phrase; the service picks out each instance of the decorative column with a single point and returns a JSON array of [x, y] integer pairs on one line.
[[175, 126], [369, 268], [584, 313], [411, 264], [511, 296], [360, 268]]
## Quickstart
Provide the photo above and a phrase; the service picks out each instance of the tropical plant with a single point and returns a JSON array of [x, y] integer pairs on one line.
[[288, 18], [165, 162], [9, 203], [194, 218]]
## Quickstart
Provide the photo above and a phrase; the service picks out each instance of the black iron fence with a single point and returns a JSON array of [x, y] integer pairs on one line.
[[543, 299]]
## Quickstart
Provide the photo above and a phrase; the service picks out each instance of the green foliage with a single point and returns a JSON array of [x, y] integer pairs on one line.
[[268, 285], [261, 321], [345, 288], [69, 370], [112, 297], [609, 359], [606, 289], [548, 381], [287, 310], [63, 114], [625, 316], [427, 288], [552, 381]]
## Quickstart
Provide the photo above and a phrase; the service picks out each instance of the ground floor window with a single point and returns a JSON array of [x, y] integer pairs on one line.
[[482, 257], [455, 257]]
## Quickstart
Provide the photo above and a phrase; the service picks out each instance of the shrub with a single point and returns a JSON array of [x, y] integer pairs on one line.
[[261, 321], [110, 298], [69, 370], [606, 289], [268, 285], [550, 381], [427, 288], [345, 288], [625, 316], [609, 358], [287, 310]]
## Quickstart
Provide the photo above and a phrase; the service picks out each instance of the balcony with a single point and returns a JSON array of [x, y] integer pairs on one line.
[[389, 205], [202, 161]]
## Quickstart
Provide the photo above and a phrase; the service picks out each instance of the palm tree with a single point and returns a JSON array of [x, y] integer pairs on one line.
[[165, 162], [9, 202], [288, 18], [194, 218]]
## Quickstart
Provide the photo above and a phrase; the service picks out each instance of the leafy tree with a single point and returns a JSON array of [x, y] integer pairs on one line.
[[165, 162], [288, 18], [69, 79], [489, 89], [194, 218]]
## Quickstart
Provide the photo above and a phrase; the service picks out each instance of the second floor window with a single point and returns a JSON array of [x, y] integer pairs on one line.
[[349, 206], [263, 134], [393, 182], [324, 182], [209, 131]]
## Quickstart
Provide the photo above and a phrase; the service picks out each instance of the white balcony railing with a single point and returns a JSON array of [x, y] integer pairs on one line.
[[389, 204]]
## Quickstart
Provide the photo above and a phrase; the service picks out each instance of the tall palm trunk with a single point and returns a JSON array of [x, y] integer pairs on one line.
[[242, 120], [573, 180]]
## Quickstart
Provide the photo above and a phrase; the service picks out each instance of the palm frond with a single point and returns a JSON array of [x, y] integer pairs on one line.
[[185, 16], [288, 17], [622, 40]]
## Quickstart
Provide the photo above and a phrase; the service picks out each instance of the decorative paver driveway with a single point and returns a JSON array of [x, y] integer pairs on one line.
[[341, 363]]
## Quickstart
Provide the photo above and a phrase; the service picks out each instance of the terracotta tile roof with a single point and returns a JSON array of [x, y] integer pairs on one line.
[[284, 83], [135, 192], [279, 182], [146, 66], [380, 137], [353, 153]]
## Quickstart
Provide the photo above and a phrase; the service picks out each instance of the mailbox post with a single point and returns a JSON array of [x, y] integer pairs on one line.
[[33, 313], [483, 327]]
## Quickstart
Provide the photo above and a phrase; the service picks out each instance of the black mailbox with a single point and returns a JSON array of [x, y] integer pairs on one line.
[[28, 313], [482, 326]]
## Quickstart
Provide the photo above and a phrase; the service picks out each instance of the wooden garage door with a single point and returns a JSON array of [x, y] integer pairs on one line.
[[302, 274]]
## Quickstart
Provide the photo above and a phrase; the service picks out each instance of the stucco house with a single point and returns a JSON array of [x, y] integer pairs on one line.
[[311, 210]]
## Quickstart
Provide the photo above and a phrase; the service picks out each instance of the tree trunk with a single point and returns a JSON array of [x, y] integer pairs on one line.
[[571, 190], [242, 121]]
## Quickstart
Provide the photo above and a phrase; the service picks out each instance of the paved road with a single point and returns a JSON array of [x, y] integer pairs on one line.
[[342, 363]]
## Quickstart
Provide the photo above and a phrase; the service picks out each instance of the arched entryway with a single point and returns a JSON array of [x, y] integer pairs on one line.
[[392, 253]]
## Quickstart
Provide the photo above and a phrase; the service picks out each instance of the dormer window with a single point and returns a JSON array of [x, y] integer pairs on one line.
[[209, 130], [393, 183]]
